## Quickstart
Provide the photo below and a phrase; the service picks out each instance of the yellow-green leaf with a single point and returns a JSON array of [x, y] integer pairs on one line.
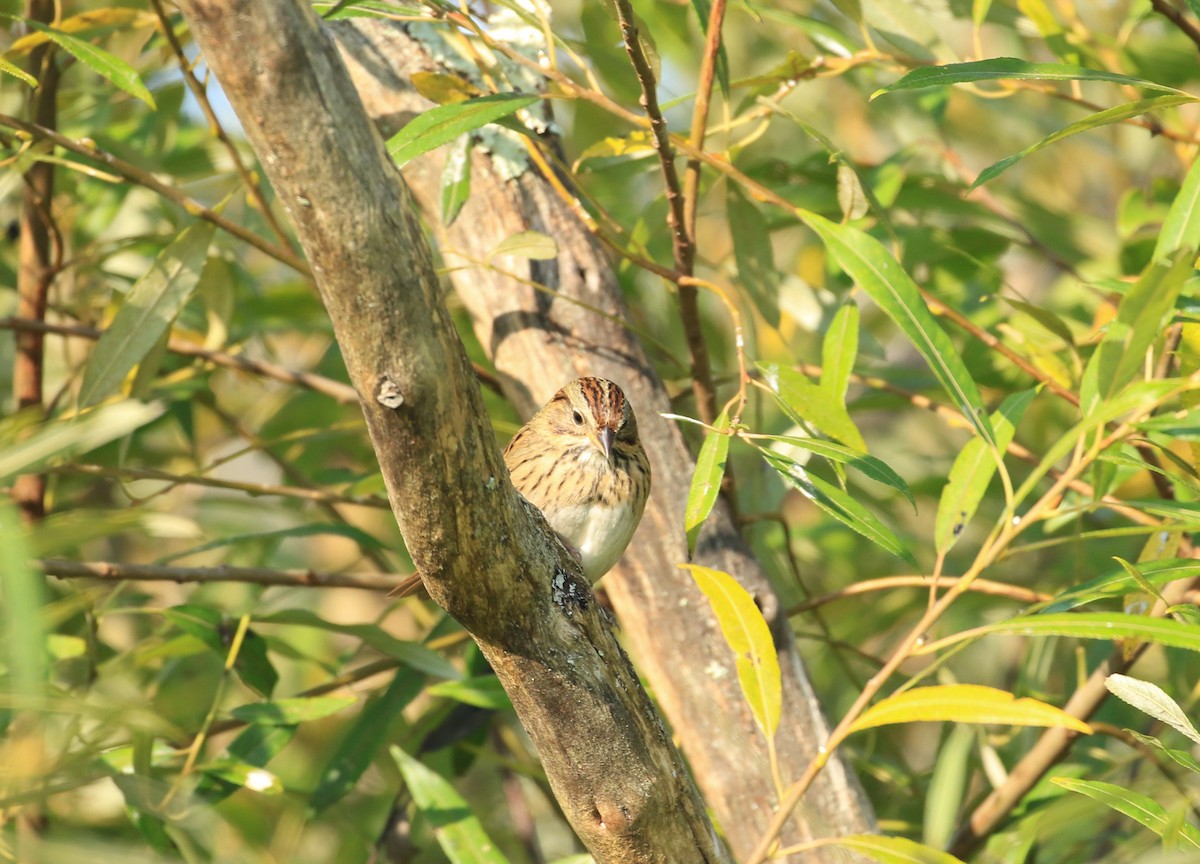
[[807, 402], [104, 64], [749, 637], [17, 72], [527, 244], [965, 703], [443, 124], [706, 481], [892, 850], [1181, 229], [839, 349], [1136, 806]]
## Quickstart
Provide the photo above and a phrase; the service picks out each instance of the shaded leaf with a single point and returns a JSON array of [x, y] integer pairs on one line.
[[147, 312], [10, 68], [874, 270], [1179, 757], [1118, 583], [1142, 809], [253, 665], [1010, 67], [973, 470], [482, 691], [443, 124], [243, 776], [456, 179], [748, 636], [287, 712], [893, 850], [706, 481], [753, 253], [840, 505], [1096, 625], [965, 703], [1180, 231], [1153, 700], [458, 830], [876, 469]]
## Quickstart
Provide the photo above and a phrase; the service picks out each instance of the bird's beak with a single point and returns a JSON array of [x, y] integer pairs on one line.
[[607, 437]]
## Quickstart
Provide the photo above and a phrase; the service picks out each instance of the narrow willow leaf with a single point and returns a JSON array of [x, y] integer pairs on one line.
[[1180, 757], [1096, 625], [483, 691], [839, 349], [840, 505], [1046, 318], [147, 312], [243, 776], [416, 656], [1186, 512], [979, 11], [458, 830], [527, 244], [753, 253], [65, 438], [706, 481], [443, 124], [1153, 700], [456, 179], [965, 703], [287, 712], [21, 601], [1010, 67], [1122, 353], [876, 469], [874, 269], [1142, 809], [107, 66], [254, 667], [973, 471], [749, 637], [806, 402], [1181, 229], [16, 71], [364, 740], [947, 786], [1092, 121], [1118, 583], [892, 850]]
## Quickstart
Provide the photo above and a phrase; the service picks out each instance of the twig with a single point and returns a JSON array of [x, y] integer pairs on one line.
[[1164, 8], [134, 174], [253, 489], [980, 586], [117, 571], [708, 67]]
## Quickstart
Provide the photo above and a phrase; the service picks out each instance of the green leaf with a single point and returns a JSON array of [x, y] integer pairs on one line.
[[1046, 318], [20, 609], [1010, 67], [1108, 626], [892, 850], [753, 254], [1122, 353], [806, 402], [703, 11], [443, 124], [973, 471], [16, 71], [364, 739], [288, 712], [1118, 583], [456, 179], [948, 786], [1136, 806], [1092, 121], [527, 244], [106, 65], [876, 469], [253, 665], [839, 504], [873, 268], [482, 691], [964, 703], [316, 529], [458, 830], [1153, 700], [706, 481], [147, 312], [243, 776], [1180, 233], [748, 636], [839, 349], [65, 438], [415, 656], [1180, 757]]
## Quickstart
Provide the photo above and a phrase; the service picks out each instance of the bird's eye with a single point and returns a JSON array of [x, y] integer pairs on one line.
[[578, 418]]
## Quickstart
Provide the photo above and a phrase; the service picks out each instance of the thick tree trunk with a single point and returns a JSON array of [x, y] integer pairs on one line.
[[538, 341], [486, 557]]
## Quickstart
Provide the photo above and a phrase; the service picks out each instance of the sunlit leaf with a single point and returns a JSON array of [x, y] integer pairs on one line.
[[1180, 231], [147, 312], [973, 471], [809, 403], [839, 349], [527, 244], [1118, 583], [1153, 700], [1010, 67], [457, 829], [1092, 121], [749, 637], [286, 712], [1109, 626], [1142, 809], [706, 481], [104, 64], [243, 776], [876, 469], [62, 438], [874, 269], [965, 703], [441, 125]]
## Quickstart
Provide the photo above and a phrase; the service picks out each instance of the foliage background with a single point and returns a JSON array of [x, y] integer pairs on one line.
[[108, 676]]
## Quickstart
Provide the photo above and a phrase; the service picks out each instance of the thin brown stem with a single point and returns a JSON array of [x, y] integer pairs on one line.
[[141, 177], [1164, 8], [119, 572], [704, 86], [886, 583]]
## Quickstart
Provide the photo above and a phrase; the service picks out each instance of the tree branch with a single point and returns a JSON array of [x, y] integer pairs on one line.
[[486, 557], [116, 571]]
